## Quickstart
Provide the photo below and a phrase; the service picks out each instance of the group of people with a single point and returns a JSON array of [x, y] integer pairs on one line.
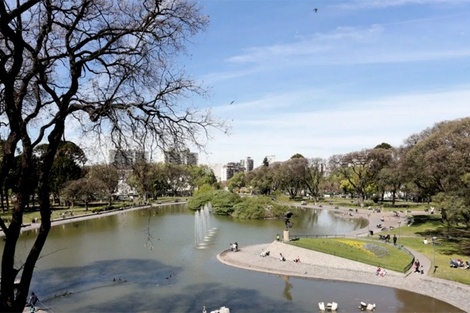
[[282, 258], [459, 263], [387, 237], [234, 246], [380, 271], [418, 267]]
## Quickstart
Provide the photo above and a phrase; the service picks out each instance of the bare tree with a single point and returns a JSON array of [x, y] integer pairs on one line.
[[106, 66]]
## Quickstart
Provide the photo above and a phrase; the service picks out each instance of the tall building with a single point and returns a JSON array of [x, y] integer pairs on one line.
[[126, 158], [247, 163], [175, 156], [230, 169]]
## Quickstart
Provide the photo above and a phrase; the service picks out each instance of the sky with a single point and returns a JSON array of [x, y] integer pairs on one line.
[[345, 77]]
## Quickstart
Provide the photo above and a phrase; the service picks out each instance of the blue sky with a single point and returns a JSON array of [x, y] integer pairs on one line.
[[348, 77]]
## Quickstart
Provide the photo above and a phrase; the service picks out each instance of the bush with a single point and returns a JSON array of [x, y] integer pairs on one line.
[[222, 202]]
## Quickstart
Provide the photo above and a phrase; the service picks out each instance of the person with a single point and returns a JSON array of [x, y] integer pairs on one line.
[[417, 264], [278, 238], [425, 241], [33, 299], [377, 272], [394, 240], [281, 257], [236, 246], [297, 260]]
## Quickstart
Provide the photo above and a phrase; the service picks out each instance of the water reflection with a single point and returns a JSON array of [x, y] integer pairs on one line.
[[107, 265]]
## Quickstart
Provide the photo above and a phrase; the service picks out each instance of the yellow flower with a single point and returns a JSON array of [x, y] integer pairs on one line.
[[355, 244]]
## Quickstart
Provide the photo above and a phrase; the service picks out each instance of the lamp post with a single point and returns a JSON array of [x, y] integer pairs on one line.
[[399, 224], [434, 252]]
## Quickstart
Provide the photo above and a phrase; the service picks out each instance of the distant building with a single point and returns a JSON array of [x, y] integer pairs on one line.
[[231, 169], [126, 158], [175, 156], [248, 164]]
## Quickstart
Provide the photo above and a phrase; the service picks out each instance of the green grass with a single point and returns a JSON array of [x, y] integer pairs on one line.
[[457, 246], [365, 251]]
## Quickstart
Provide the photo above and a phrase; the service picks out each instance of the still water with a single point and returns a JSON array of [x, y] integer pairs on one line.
[[148, 261]]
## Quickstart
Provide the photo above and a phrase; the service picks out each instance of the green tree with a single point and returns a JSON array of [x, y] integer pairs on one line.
[[237, 181], [85, 190], [261, 180], [109, 175], [314, 174], [67, 165], [201, 175], [293, 173], [438, 162]]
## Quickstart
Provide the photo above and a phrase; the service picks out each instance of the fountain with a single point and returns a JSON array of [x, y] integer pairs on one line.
[[203, 230]]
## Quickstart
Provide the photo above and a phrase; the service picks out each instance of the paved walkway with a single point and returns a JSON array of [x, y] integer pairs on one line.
[[325, 266]]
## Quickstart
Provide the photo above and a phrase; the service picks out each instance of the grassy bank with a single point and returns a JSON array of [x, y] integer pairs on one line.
[[364, 251]]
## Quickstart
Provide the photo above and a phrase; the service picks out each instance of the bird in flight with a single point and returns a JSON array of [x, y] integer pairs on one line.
[[315, 10]]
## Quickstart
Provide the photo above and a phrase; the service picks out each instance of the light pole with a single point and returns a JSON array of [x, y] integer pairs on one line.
[[399, 224], [434, 252]]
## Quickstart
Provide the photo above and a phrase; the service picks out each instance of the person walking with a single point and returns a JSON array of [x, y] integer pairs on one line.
[[394, 240], [33, 299]]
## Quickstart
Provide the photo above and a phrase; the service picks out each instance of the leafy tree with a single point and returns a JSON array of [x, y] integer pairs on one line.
[[236, 182], [111, 68], [293, 173], [391, 177], [314, 173], [84, 189], [222, 201], [361, 168], [437, 159], [109, 175], [261, 180], [67, 165], [178, 178], [143, 178], [201, 175]]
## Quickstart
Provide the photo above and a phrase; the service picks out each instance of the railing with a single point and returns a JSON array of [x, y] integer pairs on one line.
[[317, 236]]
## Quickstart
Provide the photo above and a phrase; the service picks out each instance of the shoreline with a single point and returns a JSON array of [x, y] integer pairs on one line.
[[84, 217], [317, 265], [327, 267]]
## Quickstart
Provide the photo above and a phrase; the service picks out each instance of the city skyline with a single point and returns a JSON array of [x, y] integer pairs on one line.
[[347, 77]]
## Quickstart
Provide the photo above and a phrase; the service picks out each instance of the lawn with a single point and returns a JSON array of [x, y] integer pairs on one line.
[[366, 251]]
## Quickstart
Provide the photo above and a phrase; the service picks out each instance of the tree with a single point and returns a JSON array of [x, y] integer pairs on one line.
[[237, 181], [293, 175], [201, 175], [438, 163], [261, 179], [67, 165], [361, 168], [313, 176], [109, 175], [106, 67], [85, 189]]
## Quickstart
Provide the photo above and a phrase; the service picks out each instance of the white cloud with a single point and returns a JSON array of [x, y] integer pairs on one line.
[[345, 128]]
